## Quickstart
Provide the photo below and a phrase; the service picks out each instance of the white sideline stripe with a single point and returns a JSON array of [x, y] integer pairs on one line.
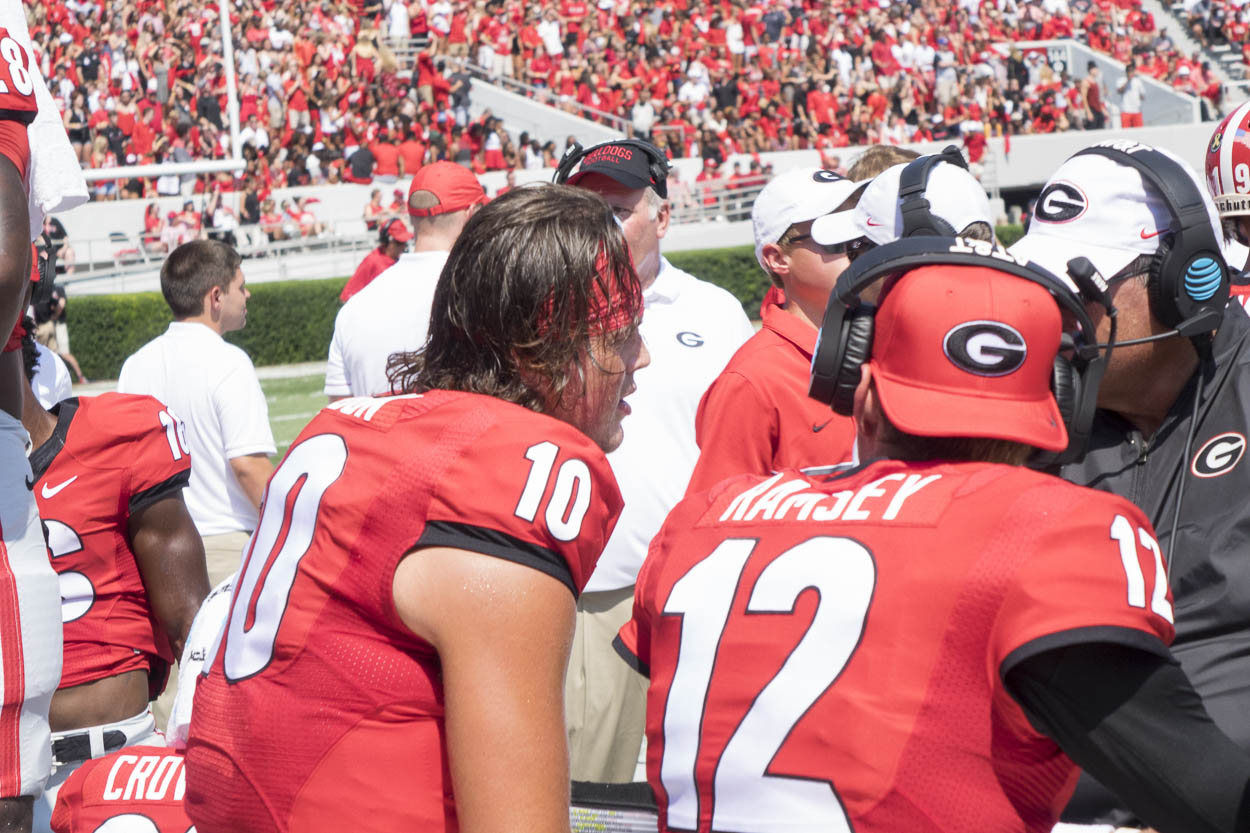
[[290, 417]]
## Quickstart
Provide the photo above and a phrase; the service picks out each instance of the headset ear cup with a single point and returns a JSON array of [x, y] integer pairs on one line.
[[1065, 383], [1161, 287], [856, 350]]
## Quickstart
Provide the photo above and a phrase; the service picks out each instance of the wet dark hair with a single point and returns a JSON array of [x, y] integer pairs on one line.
[[520, 295]]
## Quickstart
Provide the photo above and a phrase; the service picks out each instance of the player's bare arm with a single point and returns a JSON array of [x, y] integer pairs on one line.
[[170, 554], [253, 472], [503, 632], [14, 278]]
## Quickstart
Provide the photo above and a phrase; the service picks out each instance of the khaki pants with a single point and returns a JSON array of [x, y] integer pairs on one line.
[[45, 334], [605, 699], [223, 554]]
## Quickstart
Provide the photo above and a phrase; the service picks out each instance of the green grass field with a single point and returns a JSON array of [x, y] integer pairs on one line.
[[292, 403]]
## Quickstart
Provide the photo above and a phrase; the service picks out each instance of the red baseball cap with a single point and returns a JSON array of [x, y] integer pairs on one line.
[[963, 351], [398, 232], [454, 185]]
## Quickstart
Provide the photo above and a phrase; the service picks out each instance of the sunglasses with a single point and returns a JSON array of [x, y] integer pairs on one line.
[[830, 249]]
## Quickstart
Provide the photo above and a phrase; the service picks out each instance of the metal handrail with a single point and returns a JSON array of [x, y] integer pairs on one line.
[[122, 255], [546, 96], [716, 202]]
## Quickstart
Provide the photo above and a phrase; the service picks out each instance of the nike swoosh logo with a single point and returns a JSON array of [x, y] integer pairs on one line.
[[873, 222], [816, 429], [1145, 236], [50, 493]]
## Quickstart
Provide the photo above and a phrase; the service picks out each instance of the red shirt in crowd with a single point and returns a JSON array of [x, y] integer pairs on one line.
[[385, 158], [374, 264]]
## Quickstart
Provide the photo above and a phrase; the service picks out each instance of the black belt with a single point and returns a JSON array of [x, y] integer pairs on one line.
[[72, 749]]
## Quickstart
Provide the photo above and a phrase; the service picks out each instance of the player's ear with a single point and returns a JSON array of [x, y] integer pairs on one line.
[[867, 409]]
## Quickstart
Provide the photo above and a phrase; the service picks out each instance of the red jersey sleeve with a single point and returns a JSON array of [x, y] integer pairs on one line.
[[17, 83], [1096, 574], [535, 491], [17, 101], [146, 440]]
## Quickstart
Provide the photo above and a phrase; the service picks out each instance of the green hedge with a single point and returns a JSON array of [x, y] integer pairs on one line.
[[734, 269], [288, 321], [293, 321]]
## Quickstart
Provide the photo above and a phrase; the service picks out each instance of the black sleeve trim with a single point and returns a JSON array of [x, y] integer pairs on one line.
[[26, 117], [1114, 634], [632, 661], [169, 488], [500, 545]]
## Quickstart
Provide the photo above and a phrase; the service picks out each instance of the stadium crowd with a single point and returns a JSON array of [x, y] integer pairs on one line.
[[140, 81]]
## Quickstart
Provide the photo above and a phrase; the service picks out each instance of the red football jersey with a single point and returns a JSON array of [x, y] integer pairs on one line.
[[141, 786], [321, 708], [828, 653], [109, 456], [17, 100]]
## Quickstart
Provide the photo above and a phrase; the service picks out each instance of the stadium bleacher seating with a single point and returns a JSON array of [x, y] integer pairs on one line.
[[143, 81]]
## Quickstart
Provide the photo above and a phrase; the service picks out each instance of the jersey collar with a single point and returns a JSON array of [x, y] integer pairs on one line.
[[41, 458]]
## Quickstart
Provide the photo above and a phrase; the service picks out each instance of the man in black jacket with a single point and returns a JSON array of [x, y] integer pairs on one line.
[[1173, 408]]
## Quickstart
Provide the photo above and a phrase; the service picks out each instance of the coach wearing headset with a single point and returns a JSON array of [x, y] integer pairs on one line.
[[691, 328], [1174, 405], [393, 239]]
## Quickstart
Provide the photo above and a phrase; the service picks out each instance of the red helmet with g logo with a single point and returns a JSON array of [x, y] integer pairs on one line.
[[1228, 163]]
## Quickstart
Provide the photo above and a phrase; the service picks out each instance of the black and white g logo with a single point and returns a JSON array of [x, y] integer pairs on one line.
[[1219, 455], [826, 176], [1060, 202], [985, 348], [689, 339]]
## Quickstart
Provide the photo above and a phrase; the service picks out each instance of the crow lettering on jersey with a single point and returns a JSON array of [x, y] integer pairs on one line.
[[108, 457], [143, 785], [827, 653], [313, 638]]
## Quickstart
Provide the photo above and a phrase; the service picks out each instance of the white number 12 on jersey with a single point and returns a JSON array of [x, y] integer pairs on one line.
[[748, 798]]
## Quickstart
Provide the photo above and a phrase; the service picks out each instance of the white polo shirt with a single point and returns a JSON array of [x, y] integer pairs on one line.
[[691, 329], [211, 385], [389, 315]]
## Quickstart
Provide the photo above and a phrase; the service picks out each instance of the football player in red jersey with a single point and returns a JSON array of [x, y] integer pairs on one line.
[[1228, 181], [395, 652], [30, 632], [108, 475], [139, 789], [927, 641]]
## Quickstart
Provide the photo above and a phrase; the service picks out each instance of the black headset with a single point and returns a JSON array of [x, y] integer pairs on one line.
[[846, 333], [384, 231], [1189, 278], [918, 219], [657, 162]]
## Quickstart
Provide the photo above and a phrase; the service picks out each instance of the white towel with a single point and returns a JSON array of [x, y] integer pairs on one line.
[[55, 177]]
